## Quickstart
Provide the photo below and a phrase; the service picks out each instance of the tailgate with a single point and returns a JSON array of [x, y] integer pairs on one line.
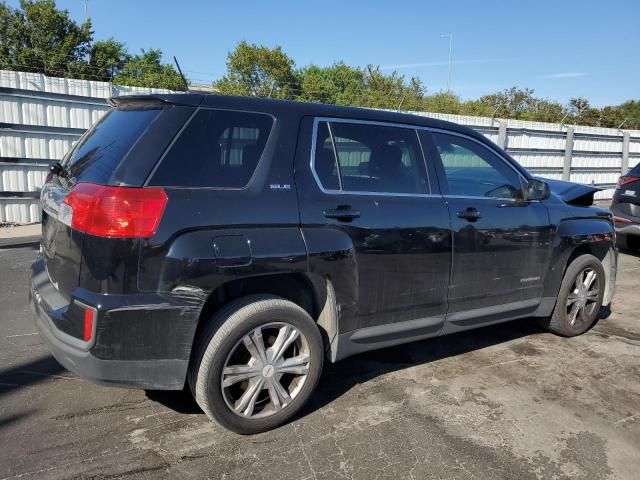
[[61, 246], [93, 159]]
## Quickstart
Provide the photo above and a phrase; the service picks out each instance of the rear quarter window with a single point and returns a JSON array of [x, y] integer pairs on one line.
[[216, 149]]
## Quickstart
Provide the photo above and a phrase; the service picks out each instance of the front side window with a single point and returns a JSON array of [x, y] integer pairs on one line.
[[218, 148], [474, 171], [369, 158]]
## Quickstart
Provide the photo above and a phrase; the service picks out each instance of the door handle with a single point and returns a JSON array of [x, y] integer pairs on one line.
[[470, 214], [344, 213]]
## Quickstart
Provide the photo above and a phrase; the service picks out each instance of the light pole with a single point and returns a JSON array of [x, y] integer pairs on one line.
[[450, 35]]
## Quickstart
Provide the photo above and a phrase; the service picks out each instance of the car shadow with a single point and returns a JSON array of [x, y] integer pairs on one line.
[[180, 401], [35, 245], [27, 374], [337, 379], [631, 253]]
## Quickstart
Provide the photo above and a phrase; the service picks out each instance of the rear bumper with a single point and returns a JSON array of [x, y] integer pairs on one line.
[[625, 228], [132, 346]]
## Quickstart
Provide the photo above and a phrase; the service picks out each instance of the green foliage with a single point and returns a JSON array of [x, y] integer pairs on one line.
[[510, 103], [338, 84], [259, 71], [391, 91], [147, 69], [107, 58], [443, 102], [38, 37], [630, 110]]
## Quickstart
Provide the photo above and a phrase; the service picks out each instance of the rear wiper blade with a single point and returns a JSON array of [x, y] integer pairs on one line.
[[56, 168]]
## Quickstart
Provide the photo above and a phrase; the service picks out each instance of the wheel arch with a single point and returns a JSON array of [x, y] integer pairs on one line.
[[313, 293], [576, 237]]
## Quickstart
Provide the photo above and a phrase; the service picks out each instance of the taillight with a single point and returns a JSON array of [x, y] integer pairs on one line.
[[89, 319], [625, 179], [117, 212]]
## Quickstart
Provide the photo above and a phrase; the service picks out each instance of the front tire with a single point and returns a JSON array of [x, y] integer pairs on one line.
[[579, 299], [257, 363]]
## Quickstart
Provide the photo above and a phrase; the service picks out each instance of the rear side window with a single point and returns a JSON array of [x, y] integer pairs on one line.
[[370, 158], [218, 148], [97, 155]]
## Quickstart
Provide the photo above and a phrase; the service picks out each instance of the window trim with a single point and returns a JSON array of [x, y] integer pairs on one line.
[[417, 129], [329, 191]]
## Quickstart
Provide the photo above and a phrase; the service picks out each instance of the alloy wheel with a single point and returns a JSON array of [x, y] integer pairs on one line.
[[265, 370], [583, 297]]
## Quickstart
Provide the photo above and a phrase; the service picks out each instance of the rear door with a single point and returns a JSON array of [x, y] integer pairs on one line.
[[93, 159], [366, 182], [501, 243]]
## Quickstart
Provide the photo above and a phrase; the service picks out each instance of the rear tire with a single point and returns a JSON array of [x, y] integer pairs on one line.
[[622, 242], [579, 299], [256, 364]]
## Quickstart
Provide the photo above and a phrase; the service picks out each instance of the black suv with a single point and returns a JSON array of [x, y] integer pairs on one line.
[[232, 244], [626, 208]]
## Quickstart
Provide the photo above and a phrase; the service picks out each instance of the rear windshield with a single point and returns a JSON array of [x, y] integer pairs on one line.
[[635, 170], [96, 156], [218, 148]]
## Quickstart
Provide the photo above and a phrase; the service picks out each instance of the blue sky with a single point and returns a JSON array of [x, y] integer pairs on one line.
[[559, 48]]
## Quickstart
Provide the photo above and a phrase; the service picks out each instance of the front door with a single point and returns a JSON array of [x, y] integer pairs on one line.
[[364, 191], [501, 243]]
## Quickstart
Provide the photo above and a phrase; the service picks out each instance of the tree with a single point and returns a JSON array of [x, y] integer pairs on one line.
[[390, 91], [510, 103], [443, 102], [40, 38], [147, 70], [107, 58], [613, 117], [577, 106], [259, 71], [338, 84], [630, 110], [548, 111]]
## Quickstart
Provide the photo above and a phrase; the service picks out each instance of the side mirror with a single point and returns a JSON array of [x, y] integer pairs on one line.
[[537, 190]]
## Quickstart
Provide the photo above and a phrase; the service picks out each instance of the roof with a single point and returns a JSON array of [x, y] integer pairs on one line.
[[284, 107]]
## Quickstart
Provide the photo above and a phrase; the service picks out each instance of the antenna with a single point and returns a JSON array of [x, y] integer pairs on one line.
[[450, 36], [186, 84]]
